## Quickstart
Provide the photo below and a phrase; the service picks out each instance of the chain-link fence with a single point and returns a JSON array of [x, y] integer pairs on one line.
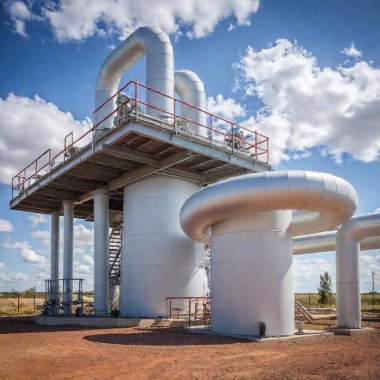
[[369, 301]]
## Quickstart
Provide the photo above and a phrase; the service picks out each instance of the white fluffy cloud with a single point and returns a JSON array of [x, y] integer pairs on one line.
[[75, 20], [31, 119], [306, 106], [37, 219], [308, 268], [5, 226], [352, 51], [19, 14], [27, 254], [228, 108]]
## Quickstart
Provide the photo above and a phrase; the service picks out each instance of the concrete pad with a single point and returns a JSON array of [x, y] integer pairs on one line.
[[305, 334], [350, 332]]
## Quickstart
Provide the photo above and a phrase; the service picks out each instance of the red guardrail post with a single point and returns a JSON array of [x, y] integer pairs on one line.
[[233, 138], [255, 145], [175, 113], [212, 131], [136, 101]]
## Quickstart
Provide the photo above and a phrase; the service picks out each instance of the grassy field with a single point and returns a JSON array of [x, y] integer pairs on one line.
[[312, 300], [25, 305], [22, 305]]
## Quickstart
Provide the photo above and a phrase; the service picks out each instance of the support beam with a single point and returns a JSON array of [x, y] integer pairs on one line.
[[54, 263], [101, 255], [68, 232], [146, 170], [114, 162], [129, 154]]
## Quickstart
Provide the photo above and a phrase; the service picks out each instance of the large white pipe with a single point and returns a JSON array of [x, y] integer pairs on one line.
[[155, 45], [68, 231], [326, 241], [347, 267], [251, 241], [101, 256], [54, 262], [191, 91], [328, 201]]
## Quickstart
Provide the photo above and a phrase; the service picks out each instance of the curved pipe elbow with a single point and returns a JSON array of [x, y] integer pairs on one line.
[[360, 227], [330, 199], [153, 43], [191, 91]]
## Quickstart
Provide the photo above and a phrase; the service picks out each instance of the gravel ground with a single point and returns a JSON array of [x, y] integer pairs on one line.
[[28, 351]]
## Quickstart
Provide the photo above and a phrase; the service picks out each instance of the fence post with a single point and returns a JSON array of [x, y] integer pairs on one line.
[[34, 301], [330, 299], [18, 303], [309, 301]]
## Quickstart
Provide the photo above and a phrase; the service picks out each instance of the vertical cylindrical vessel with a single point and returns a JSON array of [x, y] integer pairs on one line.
[[54, 263], [158, 259], [101, 256], [68, 246], [251, 274]]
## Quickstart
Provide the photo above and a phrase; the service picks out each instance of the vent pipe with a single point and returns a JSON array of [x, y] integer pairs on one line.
[[191, 91], [155, 45]]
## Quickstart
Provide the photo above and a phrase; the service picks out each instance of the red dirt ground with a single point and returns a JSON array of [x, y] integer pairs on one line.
[[28, 351]]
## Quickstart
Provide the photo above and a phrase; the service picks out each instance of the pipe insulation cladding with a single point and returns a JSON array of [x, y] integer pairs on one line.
[[158, 259], [249, 223], [155, 45], [326, 241], [191, 91], [349, 236], [363, 230]]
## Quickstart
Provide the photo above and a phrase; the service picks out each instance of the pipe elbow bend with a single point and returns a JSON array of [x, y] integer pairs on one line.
[[327, 201]]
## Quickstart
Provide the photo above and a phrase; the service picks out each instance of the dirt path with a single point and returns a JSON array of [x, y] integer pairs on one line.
[[28, 351]]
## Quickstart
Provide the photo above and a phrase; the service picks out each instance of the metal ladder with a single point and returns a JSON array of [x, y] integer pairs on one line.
[[115, 253]]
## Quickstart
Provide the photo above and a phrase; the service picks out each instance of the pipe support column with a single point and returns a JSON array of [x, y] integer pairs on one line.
[[54, 263], [101, 254], [68, 247]]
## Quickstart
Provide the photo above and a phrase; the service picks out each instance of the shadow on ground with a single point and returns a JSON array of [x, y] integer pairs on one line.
[[162, 337], [25, 324]]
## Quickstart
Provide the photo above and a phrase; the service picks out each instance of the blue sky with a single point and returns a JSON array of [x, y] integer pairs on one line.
[[305, 73]]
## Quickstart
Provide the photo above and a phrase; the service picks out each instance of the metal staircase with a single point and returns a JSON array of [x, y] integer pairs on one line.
[[115, 253]]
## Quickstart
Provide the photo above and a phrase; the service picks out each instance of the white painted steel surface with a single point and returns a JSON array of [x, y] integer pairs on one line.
[[325, 241], [155, 45], [348, 307], [68, 231], [251, 274], [54, 262], [328, 201], [101, 255], [158, 259], [191, 90]]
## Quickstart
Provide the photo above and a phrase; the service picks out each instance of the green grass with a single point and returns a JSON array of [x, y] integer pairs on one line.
[[366, 300]]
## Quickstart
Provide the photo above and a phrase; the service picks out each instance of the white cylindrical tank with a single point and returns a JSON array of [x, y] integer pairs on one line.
[[251, 274], [250, 231], [158, 259]]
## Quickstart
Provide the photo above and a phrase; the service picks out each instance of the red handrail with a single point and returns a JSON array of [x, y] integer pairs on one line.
[[260, 147]]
